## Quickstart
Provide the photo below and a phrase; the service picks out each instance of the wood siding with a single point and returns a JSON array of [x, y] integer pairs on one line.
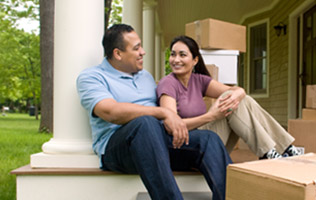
[[277, 102]]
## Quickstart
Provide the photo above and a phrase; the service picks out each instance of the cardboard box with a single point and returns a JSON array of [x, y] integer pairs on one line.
[[213, 70], [209, 102], [216, 34], [309, 114], [304, 132], [311, 96], [291, 178]]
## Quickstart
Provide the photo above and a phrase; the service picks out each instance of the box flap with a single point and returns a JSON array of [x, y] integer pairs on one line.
[[299, 169]]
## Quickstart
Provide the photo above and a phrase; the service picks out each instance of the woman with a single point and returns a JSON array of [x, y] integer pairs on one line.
[[183, 90]]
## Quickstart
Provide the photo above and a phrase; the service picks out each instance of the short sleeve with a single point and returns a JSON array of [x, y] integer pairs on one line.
[[92, 89], [205, 81], [166, 86]]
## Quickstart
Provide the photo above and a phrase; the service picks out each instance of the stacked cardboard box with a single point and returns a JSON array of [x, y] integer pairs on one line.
[[227, 60], [311, 96], [304, 130], [220, 43], [213, 70], [291, 178], [216, 34]]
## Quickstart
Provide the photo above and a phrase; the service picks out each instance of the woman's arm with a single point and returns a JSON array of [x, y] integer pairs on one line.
[[193, 122], [218, 110], [230, 100]]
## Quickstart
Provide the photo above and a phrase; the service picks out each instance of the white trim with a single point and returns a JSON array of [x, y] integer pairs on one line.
[[267, 21], [292, 58], [94, 186], [256, 12]]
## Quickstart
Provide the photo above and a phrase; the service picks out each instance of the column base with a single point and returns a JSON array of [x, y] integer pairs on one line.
[[68, 146], [44, 160]]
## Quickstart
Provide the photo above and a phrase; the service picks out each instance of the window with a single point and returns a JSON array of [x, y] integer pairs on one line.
[[258, 65], [241, 70]]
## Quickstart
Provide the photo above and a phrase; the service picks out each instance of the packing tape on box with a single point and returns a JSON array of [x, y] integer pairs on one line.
[[198, 31]]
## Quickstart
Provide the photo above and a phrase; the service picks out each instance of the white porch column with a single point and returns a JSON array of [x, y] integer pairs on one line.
[[133, 15], [158, 63], [163, 64], [149, 35], [78, 35]]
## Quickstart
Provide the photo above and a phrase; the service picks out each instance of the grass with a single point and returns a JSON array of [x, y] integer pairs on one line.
[[19, 138]]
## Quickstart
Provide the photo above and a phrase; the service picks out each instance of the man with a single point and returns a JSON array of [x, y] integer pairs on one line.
[[132, 135]]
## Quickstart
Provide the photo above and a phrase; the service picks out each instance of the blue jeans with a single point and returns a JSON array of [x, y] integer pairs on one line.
[[143, 147]]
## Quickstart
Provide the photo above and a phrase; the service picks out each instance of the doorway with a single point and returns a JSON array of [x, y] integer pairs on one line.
[[302, 56], [308, 72]]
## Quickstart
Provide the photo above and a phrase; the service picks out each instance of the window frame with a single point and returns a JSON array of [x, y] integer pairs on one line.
[[249, 80]]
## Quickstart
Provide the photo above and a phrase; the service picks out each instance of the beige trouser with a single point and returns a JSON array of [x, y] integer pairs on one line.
[[257, 128]]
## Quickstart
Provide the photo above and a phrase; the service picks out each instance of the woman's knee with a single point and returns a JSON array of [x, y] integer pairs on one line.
[[249, 100]]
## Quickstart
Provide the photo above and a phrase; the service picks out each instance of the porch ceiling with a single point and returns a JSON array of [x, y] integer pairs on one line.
[[174, 14]]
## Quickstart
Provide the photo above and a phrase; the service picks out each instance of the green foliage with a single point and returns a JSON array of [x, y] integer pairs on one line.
[[19, 53], [17, 9], [116, 12], [168, 69], [18, 140]]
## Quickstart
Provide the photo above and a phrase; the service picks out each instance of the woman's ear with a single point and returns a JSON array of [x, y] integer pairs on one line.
[[117, 54], [196, 60]]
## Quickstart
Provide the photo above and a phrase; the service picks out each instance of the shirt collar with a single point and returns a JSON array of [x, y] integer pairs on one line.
[[108, 67]]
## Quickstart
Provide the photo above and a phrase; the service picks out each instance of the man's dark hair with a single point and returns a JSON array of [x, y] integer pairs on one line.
[[113, 38]]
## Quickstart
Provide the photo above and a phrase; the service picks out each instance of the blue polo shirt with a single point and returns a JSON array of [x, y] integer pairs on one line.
[[105, 82]]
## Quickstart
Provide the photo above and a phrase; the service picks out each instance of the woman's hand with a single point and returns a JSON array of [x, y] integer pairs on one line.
[[229, 100], [227, 103], [214, 113]]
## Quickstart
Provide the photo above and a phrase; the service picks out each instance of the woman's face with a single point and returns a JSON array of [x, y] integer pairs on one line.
[[181, 60]]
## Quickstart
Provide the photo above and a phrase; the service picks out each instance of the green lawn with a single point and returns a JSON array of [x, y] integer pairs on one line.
[[19, 138]]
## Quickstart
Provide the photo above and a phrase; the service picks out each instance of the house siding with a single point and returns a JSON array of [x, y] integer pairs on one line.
[[277, 101]]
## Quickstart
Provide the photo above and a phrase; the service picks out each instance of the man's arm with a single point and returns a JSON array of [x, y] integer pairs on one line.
[[121, 113]]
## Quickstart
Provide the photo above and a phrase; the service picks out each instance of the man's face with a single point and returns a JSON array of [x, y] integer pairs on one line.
[[132, 56]]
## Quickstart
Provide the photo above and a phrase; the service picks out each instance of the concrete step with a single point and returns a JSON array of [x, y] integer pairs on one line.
[[186, 196]]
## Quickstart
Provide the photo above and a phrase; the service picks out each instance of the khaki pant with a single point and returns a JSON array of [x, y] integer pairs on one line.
[[257, 128]]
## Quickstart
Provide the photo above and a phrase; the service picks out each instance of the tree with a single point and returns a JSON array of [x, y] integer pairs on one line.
[[107, 12], [116, 12], [19, 55], [113, 12], [47, 64]]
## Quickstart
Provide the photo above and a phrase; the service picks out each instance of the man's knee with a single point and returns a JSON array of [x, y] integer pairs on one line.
[[147, 125], [208, 137]]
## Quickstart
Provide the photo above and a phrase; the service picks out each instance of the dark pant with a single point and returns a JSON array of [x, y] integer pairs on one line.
[[142, 146]]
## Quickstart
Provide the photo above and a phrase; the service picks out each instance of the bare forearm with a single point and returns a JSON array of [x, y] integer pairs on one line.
[[121, 113], [195, 122], [126, 113]]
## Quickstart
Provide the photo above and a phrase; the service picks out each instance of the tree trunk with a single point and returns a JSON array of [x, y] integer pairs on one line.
[[107, 9], [47, 64]]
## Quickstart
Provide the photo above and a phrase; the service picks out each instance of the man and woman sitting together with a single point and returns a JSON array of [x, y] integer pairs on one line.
[[138, 127]]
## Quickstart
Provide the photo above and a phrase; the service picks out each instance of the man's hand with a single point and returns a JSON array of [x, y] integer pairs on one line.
[[176, 127]]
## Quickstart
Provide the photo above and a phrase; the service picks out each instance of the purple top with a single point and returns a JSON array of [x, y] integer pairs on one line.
[[189, 100]]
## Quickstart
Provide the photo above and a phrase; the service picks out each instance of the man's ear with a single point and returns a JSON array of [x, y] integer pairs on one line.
[[117, 54]]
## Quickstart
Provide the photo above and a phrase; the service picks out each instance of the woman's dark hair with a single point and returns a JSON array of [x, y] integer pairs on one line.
[[113, 38], [200, 67]]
